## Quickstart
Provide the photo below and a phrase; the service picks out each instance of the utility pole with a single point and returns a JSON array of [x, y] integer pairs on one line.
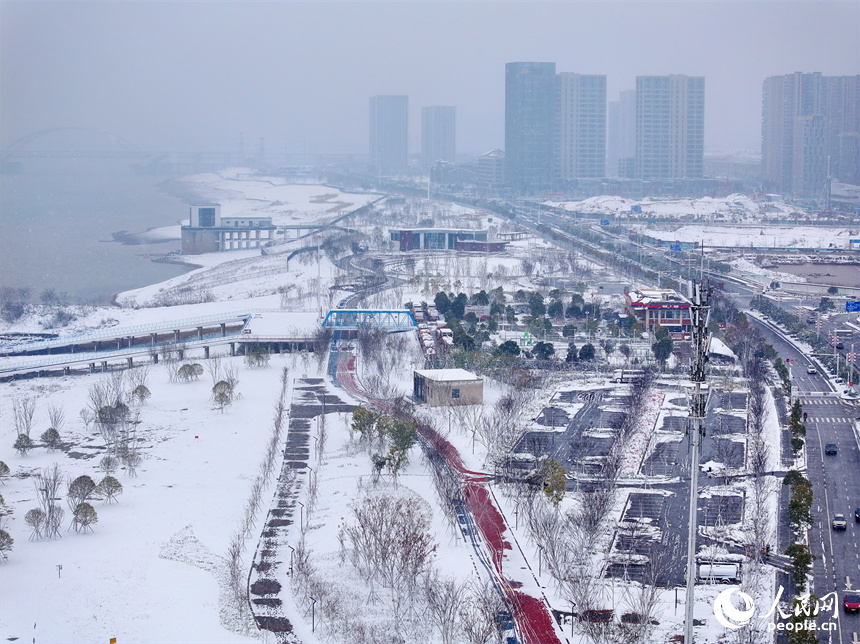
[[699, 313]]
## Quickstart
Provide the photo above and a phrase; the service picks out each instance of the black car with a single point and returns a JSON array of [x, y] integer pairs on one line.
[[831, 448]]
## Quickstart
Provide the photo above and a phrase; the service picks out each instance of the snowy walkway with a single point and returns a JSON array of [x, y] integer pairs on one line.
[[533, 618]]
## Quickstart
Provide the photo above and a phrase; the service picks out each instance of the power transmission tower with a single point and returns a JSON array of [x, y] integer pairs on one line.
[[699, 310]]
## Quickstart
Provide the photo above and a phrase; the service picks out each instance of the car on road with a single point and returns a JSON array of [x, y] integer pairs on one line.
[[839, 522], [840, 346], [831, 449], [851, 602], [811, 371], [857, 515]]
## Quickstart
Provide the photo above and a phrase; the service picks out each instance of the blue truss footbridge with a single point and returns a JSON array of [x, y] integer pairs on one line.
[[358, 319]]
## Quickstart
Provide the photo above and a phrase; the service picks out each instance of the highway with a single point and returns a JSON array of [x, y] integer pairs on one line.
[[835, 481]]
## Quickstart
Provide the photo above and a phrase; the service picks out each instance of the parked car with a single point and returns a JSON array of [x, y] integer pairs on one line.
[[839, 522], [831, 449], [851, 602]]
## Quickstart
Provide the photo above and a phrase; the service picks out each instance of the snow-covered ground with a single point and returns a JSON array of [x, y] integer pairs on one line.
[[243, 194], [152, 570], [756, 236], [735, 207], [196, 474]]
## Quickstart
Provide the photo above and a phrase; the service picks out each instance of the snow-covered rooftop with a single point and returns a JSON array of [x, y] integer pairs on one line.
[[448, 375]]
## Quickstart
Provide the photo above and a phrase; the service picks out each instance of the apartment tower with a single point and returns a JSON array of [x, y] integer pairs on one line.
[[670, 127], [806, 120], [438, 134], [389, 134], [530, 126], [582, 126]]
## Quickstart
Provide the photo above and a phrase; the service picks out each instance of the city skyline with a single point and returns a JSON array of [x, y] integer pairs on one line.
[[301, 73]]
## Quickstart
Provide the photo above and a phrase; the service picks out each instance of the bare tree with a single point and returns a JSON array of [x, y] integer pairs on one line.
[[56, 417], [479, 613], [51, 436], [444, 598], [47, 484], [213, 367], [23, 410]]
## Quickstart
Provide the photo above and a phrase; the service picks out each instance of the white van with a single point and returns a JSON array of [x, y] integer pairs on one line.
[[718, 573]]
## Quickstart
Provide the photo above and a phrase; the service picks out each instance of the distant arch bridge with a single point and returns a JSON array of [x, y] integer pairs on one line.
[[357, 319], [118, 148]]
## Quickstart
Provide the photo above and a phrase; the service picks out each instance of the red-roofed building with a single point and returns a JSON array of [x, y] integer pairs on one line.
[[660, 307]]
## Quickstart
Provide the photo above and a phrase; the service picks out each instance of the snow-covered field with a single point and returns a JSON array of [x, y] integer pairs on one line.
[[153, 567], [198, 466], [735, 207], [756, 236]]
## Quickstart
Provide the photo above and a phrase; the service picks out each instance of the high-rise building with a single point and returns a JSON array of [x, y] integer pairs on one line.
[[582, 126], [806, 119], [389, 134], [531, 126], [621, 135], [438, 134], [670, 127]]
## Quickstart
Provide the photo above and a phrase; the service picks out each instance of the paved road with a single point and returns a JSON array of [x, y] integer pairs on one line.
[[835, 482]]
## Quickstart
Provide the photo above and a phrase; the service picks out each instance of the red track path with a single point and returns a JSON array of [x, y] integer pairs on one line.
[[531, 614]]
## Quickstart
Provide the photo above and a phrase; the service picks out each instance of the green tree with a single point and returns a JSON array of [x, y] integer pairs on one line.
[[509, 347], [568, 331], [801, 561], [4, 470], [833, 290], [587, 352], [800, 507], [825, 305], [571, 353], [402, 434], [458, 306], [553, 481], [481, 298], [536, 305], [543, 350], [365, 421], [793, 477], [442, 302], [801, 612], [662, 349], [555, 309]]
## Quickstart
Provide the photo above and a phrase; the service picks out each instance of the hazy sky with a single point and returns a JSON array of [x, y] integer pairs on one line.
[[190, 75]]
